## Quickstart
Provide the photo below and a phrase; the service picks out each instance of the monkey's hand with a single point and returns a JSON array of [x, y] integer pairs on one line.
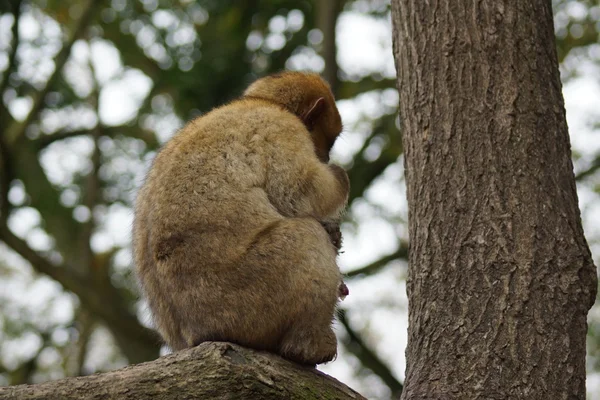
[[342, 177], [335, 234], [343, 291]]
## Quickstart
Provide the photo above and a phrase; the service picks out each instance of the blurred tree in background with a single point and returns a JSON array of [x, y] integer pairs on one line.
[[91, 88]]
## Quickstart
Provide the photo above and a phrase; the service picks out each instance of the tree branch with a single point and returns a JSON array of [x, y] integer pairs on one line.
[[327, 14], [363, 171], [5, 117], [375, 266], [368, 358], [349, 89], [4, 114], [46, 140], [137, 342], [64, 276], [5, 179], [211, 370], [85, 328], [57, 219], [92, 190], [16, 129], [594, 166]]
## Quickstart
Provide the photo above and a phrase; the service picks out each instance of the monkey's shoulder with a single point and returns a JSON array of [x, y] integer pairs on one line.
[[241, 123], [254, 115]]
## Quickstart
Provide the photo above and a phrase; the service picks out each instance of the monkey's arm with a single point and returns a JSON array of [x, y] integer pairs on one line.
[[329, 188], [300, 185]]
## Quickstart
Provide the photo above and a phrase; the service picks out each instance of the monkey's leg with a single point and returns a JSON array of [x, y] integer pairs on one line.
[[158, 291], [280, 295], [305, 259], [167, 323], [310, 344]]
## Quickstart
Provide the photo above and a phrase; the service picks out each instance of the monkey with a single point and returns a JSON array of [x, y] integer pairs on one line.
[[230, 237]]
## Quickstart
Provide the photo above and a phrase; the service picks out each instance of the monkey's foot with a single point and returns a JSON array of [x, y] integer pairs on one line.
[[309, 347]]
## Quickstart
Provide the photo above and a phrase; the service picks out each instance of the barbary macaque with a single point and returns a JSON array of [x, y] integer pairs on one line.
[[233, 233]]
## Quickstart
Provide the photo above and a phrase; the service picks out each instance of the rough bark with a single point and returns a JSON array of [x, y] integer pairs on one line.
[[210, 371], [500, 276]]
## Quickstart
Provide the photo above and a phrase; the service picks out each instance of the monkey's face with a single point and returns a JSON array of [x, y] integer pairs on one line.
[[323, 121], [326, 131]]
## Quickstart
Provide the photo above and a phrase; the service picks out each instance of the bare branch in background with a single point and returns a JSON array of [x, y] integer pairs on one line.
[[368, 358], [46, 140], [137, 342], [327, 15], [5, 174], [5, 178], [365, 171], [135, 132], [64, 276], [350, 89], [92, 190], [16, 129], [12, 56], [594, 166], [375, 266], [85, 327]]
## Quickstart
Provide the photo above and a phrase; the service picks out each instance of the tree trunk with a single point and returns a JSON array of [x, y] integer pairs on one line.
[[500, 276], [210, 371]]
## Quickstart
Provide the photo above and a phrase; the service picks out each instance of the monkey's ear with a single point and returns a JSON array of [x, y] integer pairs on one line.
[[311, 116]]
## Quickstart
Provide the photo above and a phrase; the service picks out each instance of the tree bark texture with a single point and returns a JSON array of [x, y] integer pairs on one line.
[[209, 371], [500, 276]]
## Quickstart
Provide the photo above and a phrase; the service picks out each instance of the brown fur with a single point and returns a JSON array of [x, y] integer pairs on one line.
[[228, 242]]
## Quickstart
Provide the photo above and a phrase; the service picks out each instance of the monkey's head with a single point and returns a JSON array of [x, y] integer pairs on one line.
[[309, 97]]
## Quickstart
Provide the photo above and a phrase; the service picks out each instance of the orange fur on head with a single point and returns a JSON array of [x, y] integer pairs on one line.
[[307, 96]]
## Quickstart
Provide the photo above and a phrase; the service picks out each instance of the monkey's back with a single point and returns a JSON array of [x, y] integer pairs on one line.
[[201, 209], [211, 176]]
